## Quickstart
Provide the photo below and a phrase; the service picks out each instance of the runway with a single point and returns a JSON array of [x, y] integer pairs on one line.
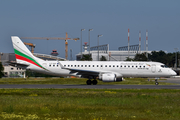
[[58, 86]]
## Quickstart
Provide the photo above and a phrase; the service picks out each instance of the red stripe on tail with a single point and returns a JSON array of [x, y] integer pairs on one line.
[[25, 59]]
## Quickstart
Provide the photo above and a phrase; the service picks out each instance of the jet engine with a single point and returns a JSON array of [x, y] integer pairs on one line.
[[109, 77]]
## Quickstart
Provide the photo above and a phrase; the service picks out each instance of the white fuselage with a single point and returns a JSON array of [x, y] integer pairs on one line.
[[122, 68]]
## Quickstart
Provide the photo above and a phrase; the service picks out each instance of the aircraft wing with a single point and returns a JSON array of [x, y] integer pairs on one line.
[[83, 71], [87, 72], [92, 72]]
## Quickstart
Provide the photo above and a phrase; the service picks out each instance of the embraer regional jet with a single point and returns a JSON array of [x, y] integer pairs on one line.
[[107, 71]]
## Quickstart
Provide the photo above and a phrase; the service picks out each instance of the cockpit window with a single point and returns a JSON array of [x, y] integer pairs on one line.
[[164, 66]]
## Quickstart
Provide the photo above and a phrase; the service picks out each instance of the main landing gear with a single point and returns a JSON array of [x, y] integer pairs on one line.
[[156, 81], [89, 82]]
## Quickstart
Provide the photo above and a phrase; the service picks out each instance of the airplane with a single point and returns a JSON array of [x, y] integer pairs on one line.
[[106, 71]]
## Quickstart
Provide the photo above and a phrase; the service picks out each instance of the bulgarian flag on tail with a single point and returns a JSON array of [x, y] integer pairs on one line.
[[21, 56]]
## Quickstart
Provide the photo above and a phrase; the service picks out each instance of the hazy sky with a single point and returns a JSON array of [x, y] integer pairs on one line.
[[112, 18]]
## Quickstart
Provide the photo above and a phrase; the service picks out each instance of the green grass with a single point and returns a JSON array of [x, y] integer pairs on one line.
[[79, 81], [91, 104]]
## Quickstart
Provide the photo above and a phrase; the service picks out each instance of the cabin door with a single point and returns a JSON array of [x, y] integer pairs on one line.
[[44, 65], [153, 68]]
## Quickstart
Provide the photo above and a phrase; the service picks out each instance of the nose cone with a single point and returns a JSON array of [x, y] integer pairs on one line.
[[173, 73]]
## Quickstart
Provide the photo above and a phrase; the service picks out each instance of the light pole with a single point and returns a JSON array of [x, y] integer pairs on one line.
[[81, 41], [89, 40], [176, 49], [98, 45], [1, 56]]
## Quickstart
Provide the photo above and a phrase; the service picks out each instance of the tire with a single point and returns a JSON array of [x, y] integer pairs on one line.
[[94, 82], [88, 82]]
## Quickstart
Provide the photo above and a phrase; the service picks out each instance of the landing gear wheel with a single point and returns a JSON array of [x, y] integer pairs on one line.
[[88, 82], [156, 83], [94, 82]]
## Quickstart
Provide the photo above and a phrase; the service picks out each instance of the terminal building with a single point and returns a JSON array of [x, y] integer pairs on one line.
[[121, 54], [111, 55]]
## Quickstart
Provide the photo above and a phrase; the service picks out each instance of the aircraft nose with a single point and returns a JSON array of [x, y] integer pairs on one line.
[[173, 73]]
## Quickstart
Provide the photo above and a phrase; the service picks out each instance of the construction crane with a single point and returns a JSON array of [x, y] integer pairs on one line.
[[55, 38], [30, 45]]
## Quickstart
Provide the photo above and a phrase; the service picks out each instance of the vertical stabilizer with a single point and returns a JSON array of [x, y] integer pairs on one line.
[[22, 53]]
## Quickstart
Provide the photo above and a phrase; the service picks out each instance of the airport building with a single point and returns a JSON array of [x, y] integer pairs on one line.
[[121, 54], [11, 71], [111, 55]]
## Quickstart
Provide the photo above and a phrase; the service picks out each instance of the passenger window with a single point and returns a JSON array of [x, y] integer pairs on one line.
[[57, 65], [101, 65], [132, 66], [105, 65], [85, 65], [71, 65], [49, 65], [64, 65], [93, 65], [68, 65], [53, 65], [124, 66], [81, 65], [113, 65], [117, 65], [74, 65], [97, 65], [89, 65], [78, 65]]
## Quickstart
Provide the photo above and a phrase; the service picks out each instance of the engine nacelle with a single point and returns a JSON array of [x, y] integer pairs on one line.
[[110, 77]]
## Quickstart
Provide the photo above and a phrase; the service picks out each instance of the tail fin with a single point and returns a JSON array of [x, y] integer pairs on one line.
[[22, 53]]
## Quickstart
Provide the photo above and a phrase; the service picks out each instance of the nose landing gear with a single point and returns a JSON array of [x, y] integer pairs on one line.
[[156, 81]]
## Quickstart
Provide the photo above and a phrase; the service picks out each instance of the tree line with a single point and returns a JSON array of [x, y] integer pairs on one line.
[[1, 70], [167, 58]]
